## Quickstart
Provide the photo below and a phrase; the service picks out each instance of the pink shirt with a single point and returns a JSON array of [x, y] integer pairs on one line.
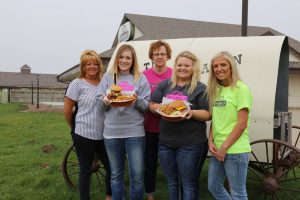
[[152, 121]]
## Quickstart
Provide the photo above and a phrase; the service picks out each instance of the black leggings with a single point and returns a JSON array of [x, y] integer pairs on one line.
[[86, 150], [151, 159]]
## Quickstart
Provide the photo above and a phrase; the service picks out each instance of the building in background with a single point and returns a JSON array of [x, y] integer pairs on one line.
[[24, 86], [140, 27]]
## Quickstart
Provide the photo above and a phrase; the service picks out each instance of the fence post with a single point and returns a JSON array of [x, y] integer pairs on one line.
[[37, 94]]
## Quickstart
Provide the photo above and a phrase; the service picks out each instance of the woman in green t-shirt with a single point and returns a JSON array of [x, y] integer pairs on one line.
[[230, 102]]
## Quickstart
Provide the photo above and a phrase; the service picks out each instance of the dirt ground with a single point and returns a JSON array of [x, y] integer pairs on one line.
[[43, 108]]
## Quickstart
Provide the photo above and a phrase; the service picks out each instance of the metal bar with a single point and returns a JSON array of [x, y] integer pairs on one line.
[[282, 127], [289, 128], [244, 17], [31, 92], [38, 94]]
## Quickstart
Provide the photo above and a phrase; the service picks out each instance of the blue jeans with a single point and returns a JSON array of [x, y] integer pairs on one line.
[[235, 169], [134, 148], [186, 163]]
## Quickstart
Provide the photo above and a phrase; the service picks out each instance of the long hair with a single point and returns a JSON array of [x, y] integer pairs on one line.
[[213, 84], [87, 56], [134, 70], [196, 70]]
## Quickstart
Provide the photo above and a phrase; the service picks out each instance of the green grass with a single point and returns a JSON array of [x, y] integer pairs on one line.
[[23, 134], [27, 173]]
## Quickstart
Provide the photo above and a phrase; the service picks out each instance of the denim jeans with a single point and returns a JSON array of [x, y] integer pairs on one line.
[[151, 158], [85, 150], [116, 150], [184, 163], [235, 169]]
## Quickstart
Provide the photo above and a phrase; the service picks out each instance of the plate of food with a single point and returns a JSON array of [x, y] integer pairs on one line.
[[119, 98], [174, 111]]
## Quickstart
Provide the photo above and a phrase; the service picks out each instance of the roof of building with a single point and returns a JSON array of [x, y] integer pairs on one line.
[[171, 28], [17, 79], [25, 67]]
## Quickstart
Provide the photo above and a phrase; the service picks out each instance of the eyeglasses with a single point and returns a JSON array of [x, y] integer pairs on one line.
[[159, 54]]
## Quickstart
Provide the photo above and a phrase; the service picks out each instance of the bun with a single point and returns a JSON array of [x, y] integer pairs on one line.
[[178, 105], [115, 88]]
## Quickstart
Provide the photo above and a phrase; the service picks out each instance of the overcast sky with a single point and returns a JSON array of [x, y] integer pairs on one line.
[[49, 35]]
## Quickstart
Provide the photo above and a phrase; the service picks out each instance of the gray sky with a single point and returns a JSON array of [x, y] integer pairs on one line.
[[49, 35]]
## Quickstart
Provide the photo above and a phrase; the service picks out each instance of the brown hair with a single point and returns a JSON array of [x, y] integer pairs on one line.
[[156, 45]]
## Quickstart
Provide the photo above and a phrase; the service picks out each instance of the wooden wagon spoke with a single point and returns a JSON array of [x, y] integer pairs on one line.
[[71, 174], [290, 179], [73, 163], [257, 194], [275, 168], [70, 170], [282, 154], [275, 196], [286, 173], [294, 173], [298, 137], [267, 153], [289, 189], [253, 171], [98, 178], [260, 164], [287, 195]]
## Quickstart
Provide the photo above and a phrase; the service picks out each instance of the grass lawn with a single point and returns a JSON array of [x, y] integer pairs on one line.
[[28, 173]]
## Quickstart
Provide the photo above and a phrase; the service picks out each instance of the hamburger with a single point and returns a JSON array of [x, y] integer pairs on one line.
[[115, 91], [178, 105]]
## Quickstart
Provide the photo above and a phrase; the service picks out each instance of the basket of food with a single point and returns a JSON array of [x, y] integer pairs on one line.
[[119, 98], [174, 111]]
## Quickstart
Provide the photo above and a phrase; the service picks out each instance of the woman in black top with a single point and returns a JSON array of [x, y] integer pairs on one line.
[[183, 145]]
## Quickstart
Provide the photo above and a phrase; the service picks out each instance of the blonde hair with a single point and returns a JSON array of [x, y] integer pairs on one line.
[[196, 70], [87, 56], [134, 70], [213, 84]]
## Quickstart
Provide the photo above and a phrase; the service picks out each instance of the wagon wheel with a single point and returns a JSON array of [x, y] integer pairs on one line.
[[70, 170], [296, 134], [274, 170]]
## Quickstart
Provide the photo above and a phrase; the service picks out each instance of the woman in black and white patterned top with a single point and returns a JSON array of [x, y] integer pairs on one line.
[[87, 124]]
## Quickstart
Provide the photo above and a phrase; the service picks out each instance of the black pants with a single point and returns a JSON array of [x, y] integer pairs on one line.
[[151, 157], [86, 150]]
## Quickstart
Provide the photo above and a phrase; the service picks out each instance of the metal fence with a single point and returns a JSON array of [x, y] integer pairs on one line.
[[27, 95]]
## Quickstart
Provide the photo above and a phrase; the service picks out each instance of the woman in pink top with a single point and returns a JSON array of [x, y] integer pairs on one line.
[[159, 52]]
